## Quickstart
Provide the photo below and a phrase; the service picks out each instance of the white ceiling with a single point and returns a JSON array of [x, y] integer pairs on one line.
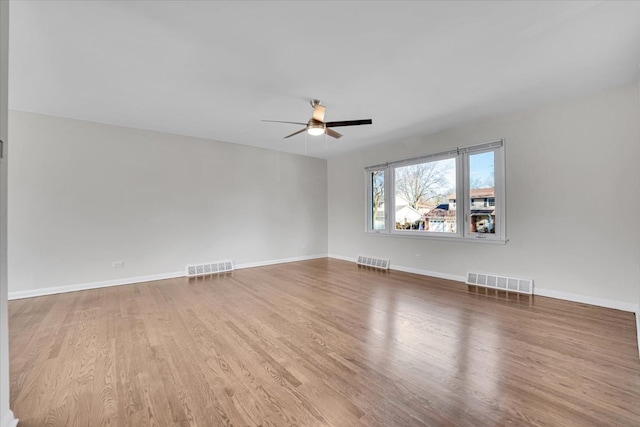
[[215, 69]]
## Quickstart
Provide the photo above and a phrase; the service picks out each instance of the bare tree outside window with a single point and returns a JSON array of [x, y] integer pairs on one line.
[[377, 198], [425, 182]]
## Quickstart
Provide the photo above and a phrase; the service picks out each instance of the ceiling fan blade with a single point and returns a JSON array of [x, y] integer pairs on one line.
[[333, 133], [318, 112], [295, 133], [349, 123], [280, 121]]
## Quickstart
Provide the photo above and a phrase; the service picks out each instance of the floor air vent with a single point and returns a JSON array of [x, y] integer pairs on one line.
[[211, 268], [382, 264], [508, 284]]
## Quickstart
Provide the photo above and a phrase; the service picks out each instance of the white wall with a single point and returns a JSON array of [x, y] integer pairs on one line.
[[567, 165], [637, 184], [6, 415], [82, 195]]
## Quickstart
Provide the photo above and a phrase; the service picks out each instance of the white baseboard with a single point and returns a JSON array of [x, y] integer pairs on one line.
[[638, 328], [601, 302], [343, 258], [429, 273], [278, 261], [410, 270], [131, 280], [92, 285], [8, 420]]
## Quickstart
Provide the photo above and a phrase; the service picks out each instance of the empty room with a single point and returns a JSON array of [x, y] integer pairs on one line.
[[319, 213]]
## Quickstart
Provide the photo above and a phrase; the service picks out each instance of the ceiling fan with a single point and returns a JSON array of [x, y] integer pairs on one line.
[[317, 126]]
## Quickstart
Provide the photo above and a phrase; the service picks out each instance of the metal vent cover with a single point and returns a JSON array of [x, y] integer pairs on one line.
[[380, 263], [209, 268], [503, 283]]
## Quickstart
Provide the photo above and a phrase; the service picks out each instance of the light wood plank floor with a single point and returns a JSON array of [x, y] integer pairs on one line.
[[315, 343]]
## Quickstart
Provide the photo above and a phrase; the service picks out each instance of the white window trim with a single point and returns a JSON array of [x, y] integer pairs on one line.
[[392, 185], [499, 192], [368, 228], [461, 154]]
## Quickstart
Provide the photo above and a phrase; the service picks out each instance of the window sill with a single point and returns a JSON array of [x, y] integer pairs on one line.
[[484, 240]]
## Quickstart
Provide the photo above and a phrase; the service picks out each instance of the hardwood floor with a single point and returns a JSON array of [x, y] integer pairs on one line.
[[314, 343]]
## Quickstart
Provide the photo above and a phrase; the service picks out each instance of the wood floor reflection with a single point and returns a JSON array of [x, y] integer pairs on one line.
[[319, 343]]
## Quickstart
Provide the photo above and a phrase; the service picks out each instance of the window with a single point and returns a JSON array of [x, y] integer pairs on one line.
[[481, 189], [377, 217], [422, 192], [457, 194]]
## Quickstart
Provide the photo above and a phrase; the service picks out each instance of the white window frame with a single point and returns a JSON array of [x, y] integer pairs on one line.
[[463, 195], [392, 184], [369, 199], [497, 148]]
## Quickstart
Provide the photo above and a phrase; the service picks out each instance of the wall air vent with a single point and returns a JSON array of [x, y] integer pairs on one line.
[[210, 268], [502, 283], [382, 264]]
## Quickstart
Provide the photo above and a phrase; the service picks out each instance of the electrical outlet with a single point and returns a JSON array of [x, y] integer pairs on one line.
[[418, 256], [117, 264]]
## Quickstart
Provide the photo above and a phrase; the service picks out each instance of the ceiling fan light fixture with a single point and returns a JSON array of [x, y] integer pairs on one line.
[[315, 129]]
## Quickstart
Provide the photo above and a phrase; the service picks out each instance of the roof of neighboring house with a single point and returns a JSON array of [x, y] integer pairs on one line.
[[477, 193], [485, 211], [440, 213], [444, 213], [428, 205]]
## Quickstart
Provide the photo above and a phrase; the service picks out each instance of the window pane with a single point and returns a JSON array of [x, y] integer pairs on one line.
[[425, 196], [377, 200], [482, 193]]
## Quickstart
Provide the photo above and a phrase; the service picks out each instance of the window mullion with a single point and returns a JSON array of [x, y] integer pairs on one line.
[[463, 195], [500, 189], [389, 196]]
